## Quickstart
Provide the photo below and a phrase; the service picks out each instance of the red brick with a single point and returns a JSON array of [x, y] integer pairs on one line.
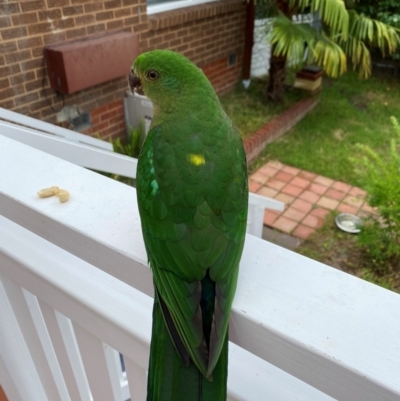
[[307, 175], [291, 189], [291, 170], [328, 203], [267, 192], [300, 182], [341, 186], [259, 177], [332, 193], [12, 33], [270, 217], [284, 224], [317, 188], [254, 186], [309, 196], [355, 191], [294, 214], [303, 232], [33, 5], [276, 184], [302, 205], [344, 208], [312, 221], [320, 212], [323, 181], [281, 175]]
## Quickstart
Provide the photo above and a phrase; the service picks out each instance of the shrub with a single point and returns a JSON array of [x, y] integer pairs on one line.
[[380, 236]]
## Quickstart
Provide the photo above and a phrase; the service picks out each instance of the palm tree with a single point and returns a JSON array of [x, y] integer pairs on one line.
[[345, 36]]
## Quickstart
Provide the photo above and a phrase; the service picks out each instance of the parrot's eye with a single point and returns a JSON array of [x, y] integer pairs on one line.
[[151, 75]]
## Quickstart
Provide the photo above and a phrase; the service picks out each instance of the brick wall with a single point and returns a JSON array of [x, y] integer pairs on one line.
[[207, 34]]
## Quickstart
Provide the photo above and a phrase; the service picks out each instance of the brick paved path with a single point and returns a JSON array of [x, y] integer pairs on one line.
[[308, 197]]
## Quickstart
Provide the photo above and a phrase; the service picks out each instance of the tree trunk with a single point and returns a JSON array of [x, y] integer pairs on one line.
[[276, 82], [277, 67]]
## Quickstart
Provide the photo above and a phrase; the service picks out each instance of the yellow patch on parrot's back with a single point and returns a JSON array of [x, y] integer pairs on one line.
[[196, 159]]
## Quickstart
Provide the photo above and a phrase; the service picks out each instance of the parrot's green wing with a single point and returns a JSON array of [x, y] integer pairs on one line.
[[192, 195]]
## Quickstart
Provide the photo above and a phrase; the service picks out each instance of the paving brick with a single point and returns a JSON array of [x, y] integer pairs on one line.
[[300, 182], [367, 208], [303, 232], [317, 188], [307, 175], [313, 221], [283, 176], [332, 193], [323, 181], [328, 203], [268, 170], [284, 224], [341, 186], [259, 177], [286, 199], [254, 186], [290, 189], [355, 191], [291, 170], [353, 201], [302, 205], [276, 164], [270, 217], [294, 214], [276, 184], [309, 196], [344, 208], [267, 192]]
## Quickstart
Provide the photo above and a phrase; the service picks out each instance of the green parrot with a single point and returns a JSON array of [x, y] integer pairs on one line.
[[192, 194]]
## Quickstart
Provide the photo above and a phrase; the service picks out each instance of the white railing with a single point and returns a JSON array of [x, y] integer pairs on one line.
[[299, 330], [100, 158]]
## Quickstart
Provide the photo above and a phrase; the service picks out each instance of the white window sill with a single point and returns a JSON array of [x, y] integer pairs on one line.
[[173, 5]]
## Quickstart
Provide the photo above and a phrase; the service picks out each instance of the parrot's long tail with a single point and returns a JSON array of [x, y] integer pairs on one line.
[[170, 380]]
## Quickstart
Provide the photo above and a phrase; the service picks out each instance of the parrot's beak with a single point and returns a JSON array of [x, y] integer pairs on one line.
[[135, 84]]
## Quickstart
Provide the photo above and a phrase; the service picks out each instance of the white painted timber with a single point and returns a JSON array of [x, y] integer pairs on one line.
[[32, 339], [16, 361], [53, 129], [78, 153], [60, 348], [98, 159], [102, 306], [332, 330]]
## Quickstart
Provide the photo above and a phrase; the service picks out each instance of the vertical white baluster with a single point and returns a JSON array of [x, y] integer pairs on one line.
[[47, 345], [114, 370], [60, 348], [68, 335], [137, 380], [94, 361], [6, 381], [15, 353]]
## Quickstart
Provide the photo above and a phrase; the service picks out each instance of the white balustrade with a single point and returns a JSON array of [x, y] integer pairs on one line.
[[299, 330]]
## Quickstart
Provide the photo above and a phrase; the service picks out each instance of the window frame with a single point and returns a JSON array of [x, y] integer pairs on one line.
[[174, 5]]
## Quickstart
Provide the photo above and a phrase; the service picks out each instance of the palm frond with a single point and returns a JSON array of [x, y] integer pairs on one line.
[[373, 32], [332, 12], [330, 56], [290, 40]]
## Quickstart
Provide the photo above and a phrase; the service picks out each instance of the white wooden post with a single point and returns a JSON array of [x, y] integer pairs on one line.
[[73, 373], [16, 358]]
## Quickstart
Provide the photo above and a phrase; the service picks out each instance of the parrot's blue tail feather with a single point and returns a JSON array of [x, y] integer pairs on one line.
[[170, 380]]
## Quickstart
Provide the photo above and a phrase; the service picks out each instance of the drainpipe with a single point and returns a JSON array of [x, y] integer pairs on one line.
[[248, 43]]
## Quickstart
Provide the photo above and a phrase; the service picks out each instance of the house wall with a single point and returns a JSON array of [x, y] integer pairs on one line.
[[207, 34]]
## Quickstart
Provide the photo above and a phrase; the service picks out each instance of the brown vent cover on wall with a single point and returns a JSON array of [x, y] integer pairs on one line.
[[73, 66]]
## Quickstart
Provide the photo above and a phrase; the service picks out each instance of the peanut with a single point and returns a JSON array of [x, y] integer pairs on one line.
[[63, 195], [46, 192]]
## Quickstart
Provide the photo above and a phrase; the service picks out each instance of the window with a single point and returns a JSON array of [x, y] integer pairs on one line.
[[158, 6]]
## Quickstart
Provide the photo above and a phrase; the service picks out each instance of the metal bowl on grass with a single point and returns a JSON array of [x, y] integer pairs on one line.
[[349, 223]]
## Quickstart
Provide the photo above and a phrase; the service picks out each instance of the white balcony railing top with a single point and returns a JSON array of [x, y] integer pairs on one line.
[[339, 334]]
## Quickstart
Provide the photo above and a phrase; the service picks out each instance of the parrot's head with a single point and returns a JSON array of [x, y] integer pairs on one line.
[[165, 76]]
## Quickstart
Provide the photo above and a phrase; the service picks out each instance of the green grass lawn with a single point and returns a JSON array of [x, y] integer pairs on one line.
[[248, 109], [351, 111]]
